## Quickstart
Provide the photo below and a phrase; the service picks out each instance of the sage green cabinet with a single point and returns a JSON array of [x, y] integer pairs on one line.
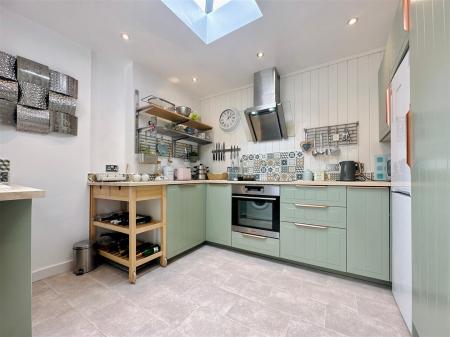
[[328, 216], [396, 48], [257, 244], [314, 195], [316, 245], [218, 214], [368, 232], [185, 217]]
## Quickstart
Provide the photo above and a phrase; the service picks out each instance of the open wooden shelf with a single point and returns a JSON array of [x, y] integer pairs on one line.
[[160, 112], [125, 229], [124, 261]]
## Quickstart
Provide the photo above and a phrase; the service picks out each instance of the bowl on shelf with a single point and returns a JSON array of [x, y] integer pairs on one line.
[[183, 110]]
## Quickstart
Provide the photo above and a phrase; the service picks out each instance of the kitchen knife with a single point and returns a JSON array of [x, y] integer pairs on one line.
[[224, 151]]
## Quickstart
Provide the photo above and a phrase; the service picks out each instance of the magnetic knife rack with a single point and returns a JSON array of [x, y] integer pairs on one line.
[[217, 153]]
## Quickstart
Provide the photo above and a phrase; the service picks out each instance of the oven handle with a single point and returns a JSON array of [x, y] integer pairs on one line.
[[254, 236], [311, 226], [255, 198], [311, 206]]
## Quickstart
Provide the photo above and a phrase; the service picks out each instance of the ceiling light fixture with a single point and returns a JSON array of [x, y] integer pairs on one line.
[[174, 80], [352, 21], [125, 36], [194, 79], [260, 54]]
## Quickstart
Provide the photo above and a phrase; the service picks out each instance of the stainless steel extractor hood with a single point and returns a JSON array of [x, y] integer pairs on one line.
[[266, 118]]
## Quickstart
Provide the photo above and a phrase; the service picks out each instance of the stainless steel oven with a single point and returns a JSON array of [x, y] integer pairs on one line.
[[256, 210]]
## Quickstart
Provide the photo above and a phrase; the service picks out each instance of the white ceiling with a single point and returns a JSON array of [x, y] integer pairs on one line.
[[294, 34]]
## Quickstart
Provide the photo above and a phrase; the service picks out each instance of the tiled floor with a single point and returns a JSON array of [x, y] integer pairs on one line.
[[213, 292]]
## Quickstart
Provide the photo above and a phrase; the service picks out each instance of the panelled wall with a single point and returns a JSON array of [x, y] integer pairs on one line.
[[344, 91]]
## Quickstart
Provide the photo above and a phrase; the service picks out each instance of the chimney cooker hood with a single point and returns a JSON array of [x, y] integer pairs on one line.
[[266, 118]]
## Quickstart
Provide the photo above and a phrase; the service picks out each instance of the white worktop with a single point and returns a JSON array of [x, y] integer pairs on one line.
[[294, 183], [16, 192]]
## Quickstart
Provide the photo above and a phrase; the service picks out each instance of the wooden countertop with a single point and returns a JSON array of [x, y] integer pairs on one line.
[[16, 192], [294, 183]]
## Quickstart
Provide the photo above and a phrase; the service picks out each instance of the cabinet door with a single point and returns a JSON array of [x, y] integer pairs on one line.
[[175, 229], [368, 248], [320, 246], [314, 195], [195, 204], [218, 214]]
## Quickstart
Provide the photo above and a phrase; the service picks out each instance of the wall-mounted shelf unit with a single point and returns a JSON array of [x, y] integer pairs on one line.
[[178, 135], [157, 111]]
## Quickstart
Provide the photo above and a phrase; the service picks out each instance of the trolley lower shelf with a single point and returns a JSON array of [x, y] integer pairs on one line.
[[125, 230], [124, 261]]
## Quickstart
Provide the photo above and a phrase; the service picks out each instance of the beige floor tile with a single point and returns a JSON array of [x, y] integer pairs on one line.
[[40, 288], [297, 306], [69, 324], [250, 289], [91, 298], [300, 328], [206, 323], [109, 276], [264, 319], [45, 307], [122, 319], [351, 323]]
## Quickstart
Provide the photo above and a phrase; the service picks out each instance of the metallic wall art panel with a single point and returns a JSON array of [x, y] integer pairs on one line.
[[7, 66], [4, 171], [61, 103], [32, 72], [9, 90], [7, 112], [33, 120], [33, 95], [65, 123], [63, 84]]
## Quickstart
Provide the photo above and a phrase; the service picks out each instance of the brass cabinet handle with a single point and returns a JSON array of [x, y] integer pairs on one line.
[[254, 236], [311, 206], [311, 226], [408, 139], [367, 187], [406, 24], [315, 186], [388, 106]]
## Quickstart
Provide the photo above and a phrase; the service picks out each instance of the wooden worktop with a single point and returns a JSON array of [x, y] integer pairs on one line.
[[16, 192], [294, 183]]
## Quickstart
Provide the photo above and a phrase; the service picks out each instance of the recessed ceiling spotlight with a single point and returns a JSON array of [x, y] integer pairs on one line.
[[260, 54], [125, 36], [194, 79], [352, 21], [174, 80]]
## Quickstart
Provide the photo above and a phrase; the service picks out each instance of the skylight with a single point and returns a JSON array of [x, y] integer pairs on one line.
[[213, 19]]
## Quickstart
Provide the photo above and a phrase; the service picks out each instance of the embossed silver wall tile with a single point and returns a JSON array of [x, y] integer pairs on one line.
[[33, 95], [65, 123], [63, 84], [7, 112], [7, 66], [9, 90], [58, 102], [33, 120], [33, 72]]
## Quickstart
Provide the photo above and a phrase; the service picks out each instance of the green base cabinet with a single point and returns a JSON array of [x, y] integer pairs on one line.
[[256, 244], [368, 232], [314, 195], [323, 247], [185, 217], [218, 214], [327, 216], [15, 275]]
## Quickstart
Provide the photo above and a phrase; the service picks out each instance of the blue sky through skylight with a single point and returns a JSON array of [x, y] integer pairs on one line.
[[224, 17]]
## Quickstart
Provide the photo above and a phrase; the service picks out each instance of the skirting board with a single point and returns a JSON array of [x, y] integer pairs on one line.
[[51, 270]]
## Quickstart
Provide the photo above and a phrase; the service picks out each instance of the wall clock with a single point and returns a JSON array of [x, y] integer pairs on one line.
[[229, 119]]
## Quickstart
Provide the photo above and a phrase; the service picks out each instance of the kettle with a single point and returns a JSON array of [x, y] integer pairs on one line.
[[349, 170]]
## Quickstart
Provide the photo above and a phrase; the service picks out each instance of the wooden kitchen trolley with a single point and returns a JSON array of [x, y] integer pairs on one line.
[[131, 195]]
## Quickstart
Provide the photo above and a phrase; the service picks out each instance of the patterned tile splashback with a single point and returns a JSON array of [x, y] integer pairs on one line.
[[277, 166]]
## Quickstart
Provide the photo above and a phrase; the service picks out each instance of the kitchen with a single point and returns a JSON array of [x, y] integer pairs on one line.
[[181, 186]]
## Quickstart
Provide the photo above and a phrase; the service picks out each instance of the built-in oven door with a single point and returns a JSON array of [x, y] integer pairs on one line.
[[259, 215]]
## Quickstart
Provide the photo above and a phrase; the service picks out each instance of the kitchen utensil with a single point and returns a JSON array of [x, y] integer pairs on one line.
[[182, 110], [223, 149], [314, 150], [349, 169], [168, 172], [162, 149], [306, 146]]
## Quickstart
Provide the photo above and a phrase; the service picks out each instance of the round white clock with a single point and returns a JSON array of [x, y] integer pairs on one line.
[[229, 119]]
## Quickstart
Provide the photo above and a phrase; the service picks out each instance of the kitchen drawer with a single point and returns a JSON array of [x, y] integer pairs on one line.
[[257, 244], [323, 247], [315, 195], [306, 214]]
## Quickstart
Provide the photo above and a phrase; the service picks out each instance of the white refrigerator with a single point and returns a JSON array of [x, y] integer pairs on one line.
[[401, 191]]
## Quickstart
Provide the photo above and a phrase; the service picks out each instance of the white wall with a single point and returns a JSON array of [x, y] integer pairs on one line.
[[344, 91], [55, 163]]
